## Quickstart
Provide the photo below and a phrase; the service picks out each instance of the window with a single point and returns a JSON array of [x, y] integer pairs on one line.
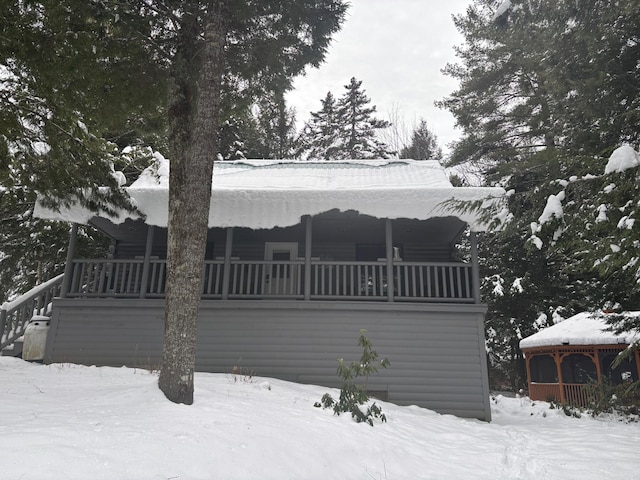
[[370, 252], [543, 369], [578, 368], [625, 372]]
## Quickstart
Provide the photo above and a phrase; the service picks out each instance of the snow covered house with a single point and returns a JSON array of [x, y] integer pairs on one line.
[[565, 357], [300, 257]]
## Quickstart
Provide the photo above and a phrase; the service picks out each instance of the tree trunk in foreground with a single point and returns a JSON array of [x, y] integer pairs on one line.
[[193, 136]]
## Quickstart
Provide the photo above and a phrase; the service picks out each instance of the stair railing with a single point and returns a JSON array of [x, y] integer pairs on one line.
[[15, 315]]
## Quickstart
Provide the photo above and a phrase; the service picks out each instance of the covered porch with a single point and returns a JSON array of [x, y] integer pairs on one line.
[[331, 256]]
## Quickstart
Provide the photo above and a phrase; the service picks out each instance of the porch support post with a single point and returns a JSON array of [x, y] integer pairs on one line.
[[475, 268], [68, 266], [144, 283], [307, 257], [388, 232], [226, 271]]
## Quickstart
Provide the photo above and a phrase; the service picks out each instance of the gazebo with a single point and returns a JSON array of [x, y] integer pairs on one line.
[[561, 360]]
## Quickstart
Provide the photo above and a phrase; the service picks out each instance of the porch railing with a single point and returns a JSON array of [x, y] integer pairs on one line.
[[15, 315], [411, 281]]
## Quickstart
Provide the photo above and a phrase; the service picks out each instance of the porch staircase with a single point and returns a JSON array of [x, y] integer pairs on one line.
[[16, 314]]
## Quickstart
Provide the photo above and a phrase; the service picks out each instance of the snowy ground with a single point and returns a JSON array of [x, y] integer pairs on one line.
[[73, 422]]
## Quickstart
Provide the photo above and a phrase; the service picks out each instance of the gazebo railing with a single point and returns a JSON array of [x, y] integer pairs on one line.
[[575, 394], [247, 279]]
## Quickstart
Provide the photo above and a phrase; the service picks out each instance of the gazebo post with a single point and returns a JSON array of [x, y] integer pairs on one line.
[[557, 357], [596, 360], [527, 366]]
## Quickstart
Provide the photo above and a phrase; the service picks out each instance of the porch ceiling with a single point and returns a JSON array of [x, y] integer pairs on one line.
[[327, 227]]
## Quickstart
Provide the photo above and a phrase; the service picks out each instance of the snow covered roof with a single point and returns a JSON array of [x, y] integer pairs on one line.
[[586, 328], [277, 193]]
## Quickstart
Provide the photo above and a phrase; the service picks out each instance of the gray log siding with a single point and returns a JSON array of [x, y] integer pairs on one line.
[[436, 350]]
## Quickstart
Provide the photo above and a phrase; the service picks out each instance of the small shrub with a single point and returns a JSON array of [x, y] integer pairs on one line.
[[241, 374], [352, 393], [606, 397]]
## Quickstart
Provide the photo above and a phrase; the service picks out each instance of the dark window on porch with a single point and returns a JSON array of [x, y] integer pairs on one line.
[[578, 368], [543, 369], [370, 252], [627, 371], [281, 271], [208, 253]]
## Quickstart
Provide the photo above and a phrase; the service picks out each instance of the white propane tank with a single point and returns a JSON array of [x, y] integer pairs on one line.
[[35, 338]]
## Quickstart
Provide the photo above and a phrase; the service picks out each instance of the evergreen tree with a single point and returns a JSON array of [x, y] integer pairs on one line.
[[264, 129], [344, 129], [74, 91], [263, 43], [358, 126], [320, 136], [424, 144], [69, 62], [74, 86], [545, 74], [547, 91], [235, 132], [275, 127]]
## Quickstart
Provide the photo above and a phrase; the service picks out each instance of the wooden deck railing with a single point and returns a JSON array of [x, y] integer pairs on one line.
[[412, 281], [15, 315]]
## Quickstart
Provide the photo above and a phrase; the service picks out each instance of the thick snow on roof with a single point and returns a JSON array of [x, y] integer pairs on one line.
[[586, 328], [277, 193]]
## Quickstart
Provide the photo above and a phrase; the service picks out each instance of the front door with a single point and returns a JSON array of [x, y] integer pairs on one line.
[[281, 275]]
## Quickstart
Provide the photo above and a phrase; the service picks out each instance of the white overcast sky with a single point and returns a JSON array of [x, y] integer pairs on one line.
[[397, 48]]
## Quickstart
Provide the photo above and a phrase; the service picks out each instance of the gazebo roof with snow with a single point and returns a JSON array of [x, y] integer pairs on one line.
[[278, 193], [586, 328]]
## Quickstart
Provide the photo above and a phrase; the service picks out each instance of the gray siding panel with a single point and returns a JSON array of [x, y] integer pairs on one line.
[[434, 350]]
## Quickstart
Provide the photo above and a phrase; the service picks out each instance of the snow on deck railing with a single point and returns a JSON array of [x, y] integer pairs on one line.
[[15, 315]]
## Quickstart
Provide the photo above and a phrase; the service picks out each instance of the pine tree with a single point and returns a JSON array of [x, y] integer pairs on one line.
[[344, 129], [547, 91], [275, 125], [358, 126], [279, 41], [545, 74], [69, 95], [320, 136], [70, 65], [424, 144]]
